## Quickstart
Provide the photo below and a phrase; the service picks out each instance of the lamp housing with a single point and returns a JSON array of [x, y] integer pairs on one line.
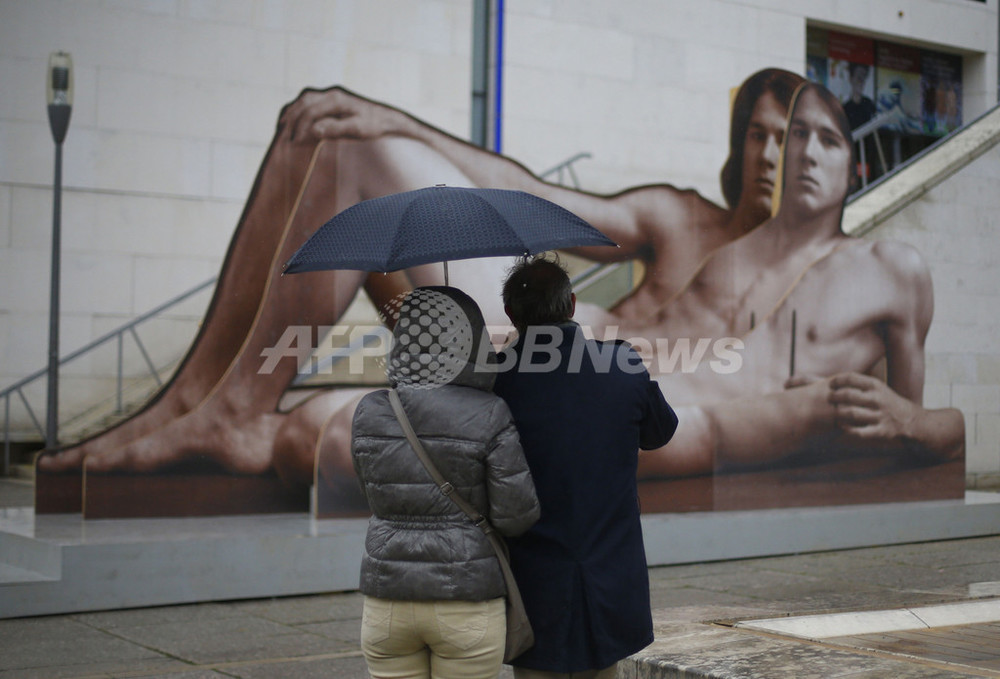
[[59, 94]]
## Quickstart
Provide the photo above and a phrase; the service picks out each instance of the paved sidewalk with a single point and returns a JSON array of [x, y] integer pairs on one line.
[[697, 608], [700, 613], [317, 636]]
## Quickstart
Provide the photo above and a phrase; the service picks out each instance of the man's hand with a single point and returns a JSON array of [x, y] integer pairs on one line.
[[337, 113], [868, 409], [874, 417], [864, 407]]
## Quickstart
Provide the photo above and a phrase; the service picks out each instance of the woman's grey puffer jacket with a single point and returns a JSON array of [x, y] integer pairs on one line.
[[420, 545]]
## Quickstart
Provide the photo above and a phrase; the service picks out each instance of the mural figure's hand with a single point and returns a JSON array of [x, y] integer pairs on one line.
[[876, 418], [337, 113], [868, 409]]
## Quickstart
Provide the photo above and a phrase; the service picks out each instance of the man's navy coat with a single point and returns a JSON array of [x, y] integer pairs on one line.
[[583, 409]]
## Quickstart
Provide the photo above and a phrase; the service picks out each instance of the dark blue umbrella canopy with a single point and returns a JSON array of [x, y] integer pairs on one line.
[[438, 224]]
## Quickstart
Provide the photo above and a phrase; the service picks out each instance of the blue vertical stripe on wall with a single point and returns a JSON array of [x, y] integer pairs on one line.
[[498, 91]]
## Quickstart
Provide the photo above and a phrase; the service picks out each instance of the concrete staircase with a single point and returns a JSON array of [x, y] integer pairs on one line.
[[895, 191]]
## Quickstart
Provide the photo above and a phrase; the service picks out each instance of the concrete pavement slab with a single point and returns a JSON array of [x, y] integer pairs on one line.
[[52, 648], [305, 609], [220, 641]]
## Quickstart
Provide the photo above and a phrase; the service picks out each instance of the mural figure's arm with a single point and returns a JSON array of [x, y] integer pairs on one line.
[[857, 412], [743, 432], [892, 413], [339, 113], [909, 298]]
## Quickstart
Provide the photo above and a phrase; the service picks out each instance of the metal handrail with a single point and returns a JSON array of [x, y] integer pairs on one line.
[[915, 158], [566, 167], [861, 133], [876, 123], [118, 335], [596, 272]]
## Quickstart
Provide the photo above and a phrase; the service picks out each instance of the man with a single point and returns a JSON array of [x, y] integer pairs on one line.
[[583, 409], [859, 107], [832, 312], [237, 424], [333, 149]]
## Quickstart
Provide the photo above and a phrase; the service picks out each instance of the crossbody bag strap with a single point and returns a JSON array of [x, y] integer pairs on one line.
[[448, 490], [443, 484]]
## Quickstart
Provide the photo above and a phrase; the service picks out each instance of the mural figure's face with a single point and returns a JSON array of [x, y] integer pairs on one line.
[[817, 157], [761, 151]]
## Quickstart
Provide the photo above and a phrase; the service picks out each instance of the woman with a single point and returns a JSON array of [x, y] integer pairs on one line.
[[432, 583]]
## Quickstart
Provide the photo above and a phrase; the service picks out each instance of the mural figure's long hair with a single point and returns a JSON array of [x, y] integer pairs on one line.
[[779, 83]]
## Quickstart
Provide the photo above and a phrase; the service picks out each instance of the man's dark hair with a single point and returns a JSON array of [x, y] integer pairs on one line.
[[782, 85], [853, 67], [537, 291]]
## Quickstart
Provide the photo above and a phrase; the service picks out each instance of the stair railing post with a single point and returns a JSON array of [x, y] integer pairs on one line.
[[119, 400]]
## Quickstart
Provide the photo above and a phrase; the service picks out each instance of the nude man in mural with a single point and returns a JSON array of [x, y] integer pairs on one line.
[[236, 423], [856, 303], [299, 187]]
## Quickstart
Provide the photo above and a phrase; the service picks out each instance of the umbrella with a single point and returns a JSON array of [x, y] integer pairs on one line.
[[440, 223]]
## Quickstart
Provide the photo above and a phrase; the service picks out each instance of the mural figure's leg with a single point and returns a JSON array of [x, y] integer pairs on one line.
[[313, 444], [235, 425], [241, 285]]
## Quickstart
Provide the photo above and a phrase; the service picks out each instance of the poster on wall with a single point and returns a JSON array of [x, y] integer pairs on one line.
[[942, 92], [852, 75], [900, 90], [775, 368], [816, 55]]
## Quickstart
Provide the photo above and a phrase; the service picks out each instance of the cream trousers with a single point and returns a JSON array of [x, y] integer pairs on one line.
[[433, 639]]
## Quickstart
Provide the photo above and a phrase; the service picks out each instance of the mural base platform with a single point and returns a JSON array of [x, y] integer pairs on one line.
[[61, 563]]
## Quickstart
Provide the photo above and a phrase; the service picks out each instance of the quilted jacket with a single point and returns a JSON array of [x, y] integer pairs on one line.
[[420, 545]]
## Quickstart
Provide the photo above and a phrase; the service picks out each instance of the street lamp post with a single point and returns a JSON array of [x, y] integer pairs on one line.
[[59, 92]]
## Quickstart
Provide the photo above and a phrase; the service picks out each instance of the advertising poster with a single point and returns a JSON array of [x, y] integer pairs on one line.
[[900, 90], [942, 92], [816, 55], [852, 75], [775, 355]]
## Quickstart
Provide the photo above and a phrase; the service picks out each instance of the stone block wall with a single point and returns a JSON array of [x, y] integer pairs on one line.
[[954, 224]]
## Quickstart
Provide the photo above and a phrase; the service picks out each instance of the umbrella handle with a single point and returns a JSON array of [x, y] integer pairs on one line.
[[445, 272]]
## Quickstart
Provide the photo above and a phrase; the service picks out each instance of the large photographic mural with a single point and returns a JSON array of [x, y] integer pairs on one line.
[[793, 353]]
